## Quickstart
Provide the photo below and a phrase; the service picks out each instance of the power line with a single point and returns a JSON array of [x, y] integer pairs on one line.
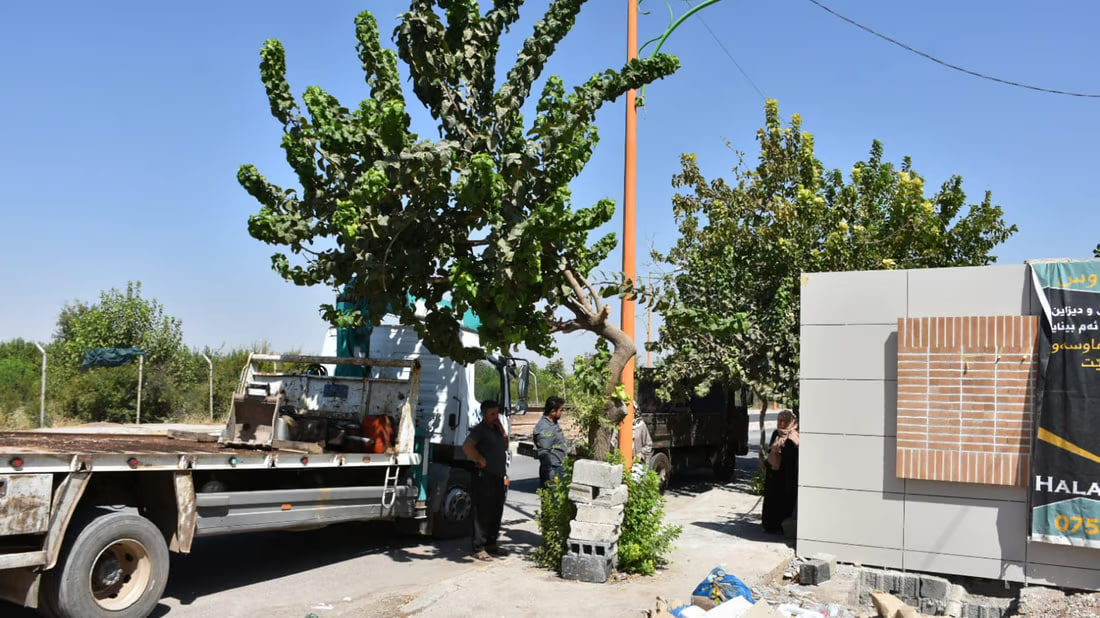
[[699, 16], [948, 64]]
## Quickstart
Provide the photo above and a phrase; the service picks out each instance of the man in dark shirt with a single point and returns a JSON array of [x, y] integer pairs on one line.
[[550, 441], [487, 447]]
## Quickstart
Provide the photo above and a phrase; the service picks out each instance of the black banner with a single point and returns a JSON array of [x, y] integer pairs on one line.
[[1065, 487]]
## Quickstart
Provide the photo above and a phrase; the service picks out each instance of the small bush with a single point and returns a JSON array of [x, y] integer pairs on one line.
[[555, 513], [646, 539]]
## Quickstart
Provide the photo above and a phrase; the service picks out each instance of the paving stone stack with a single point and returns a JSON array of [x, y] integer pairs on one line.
[[593, 545]]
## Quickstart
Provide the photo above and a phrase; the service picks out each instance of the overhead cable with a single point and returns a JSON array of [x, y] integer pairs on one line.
[[992, 78]]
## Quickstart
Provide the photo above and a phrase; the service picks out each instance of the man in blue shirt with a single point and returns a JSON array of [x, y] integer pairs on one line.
[[550, 441]]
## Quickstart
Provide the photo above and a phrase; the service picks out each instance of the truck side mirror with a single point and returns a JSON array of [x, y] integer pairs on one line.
[[523, 381]]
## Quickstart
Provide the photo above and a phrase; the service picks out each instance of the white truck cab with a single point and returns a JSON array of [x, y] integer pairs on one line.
[[446, 411]]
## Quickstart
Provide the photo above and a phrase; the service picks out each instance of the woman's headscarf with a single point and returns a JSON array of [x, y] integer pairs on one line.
[[788, 415]]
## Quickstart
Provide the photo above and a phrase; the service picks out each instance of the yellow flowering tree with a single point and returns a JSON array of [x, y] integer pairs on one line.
[[731, 304]]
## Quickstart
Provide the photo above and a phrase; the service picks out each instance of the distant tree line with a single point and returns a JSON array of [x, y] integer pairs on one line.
[[175, 378]]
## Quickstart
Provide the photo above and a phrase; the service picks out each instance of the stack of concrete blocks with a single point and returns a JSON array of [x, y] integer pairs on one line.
[[929, 593], [593, 545]]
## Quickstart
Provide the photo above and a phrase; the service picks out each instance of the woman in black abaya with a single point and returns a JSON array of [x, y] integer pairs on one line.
[[781, 473]]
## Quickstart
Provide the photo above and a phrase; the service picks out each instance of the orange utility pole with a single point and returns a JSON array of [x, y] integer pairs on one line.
[[626, 430]]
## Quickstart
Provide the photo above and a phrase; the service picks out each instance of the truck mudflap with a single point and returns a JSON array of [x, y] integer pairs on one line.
[[20, 573], [25, 503]]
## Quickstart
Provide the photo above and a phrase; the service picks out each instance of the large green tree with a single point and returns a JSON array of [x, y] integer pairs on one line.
[[476, 217], [732, 299], [120, 319]]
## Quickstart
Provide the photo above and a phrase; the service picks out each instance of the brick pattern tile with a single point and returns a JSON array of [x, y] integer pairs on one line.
[[966, 387]]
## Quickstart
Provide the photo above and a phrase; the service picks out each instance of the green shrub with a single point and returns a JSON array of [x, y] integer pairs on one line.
[[553, 517], [646, 539]]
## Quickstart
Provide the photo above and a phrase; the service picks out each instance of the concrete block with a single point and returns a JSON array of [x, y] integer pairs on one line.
[[929, 607], [583, 494], [597, 474], [600, 514], [584, 547], [588, 531], [814, 572], [613, 497], [891, 581], [593, 569], [831, 559], [934, 588], [909, 588], [873, 579], [992, 611]]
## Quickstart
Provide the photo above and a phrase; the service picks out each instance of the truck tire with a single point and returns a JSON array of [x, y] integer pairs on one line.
[[455, 516], [113, 564], [660, 464], [725, 464]]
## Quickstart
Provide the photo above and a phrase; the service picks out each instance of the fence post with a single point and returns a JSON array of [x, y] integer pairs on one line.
[[42, 397], [211, 366], [141, 367]]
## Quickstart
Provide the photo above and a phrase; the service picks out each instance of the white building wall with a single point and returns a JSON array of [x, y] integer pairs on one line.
[[850, 502]]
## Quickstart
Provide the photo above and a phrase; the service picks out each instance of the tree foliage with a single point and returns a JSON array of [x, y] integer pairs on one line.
[[732, 304], [20, 375], [646, 539], [119, 320], [479, 219]]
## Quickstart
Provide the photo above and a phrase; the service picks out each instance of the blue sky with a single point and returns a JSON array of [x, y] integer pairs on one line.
[[124, 124]]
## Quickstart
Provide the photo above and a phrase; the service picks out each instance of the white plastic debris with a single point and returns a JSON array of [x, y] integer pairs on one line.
[[794, 611], [733, 608]]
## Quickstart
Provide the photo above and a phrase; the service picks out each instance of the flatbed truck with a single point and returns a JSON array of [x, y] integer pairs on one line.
[[87, 521]]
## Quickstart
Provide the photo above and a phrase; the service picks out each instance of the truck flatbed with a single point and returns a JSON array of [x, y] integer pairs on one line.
[[69, 452]]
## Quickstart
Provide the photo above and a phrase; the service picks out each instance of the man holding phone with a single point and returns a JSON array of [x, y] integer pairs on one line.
[[487, 447]]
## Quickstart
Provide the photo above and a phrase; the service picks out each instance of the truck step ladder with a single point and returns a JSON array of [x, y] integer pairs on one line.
[[389, 486]]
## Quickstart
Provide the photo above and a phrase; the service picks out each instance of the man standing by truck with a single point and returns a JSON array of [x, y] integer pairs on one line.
[[550, 441], [487, 447]]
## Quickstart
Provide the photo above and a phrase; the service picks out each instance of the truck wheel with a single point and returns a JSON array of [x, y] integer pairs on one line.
[[725, 464], [660, 464], [455, 515], [115, 566]]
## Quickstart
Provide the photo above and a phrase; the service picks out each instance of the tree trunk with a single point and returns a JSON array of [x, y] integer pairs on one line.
[[763, 413], [599, 437]]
